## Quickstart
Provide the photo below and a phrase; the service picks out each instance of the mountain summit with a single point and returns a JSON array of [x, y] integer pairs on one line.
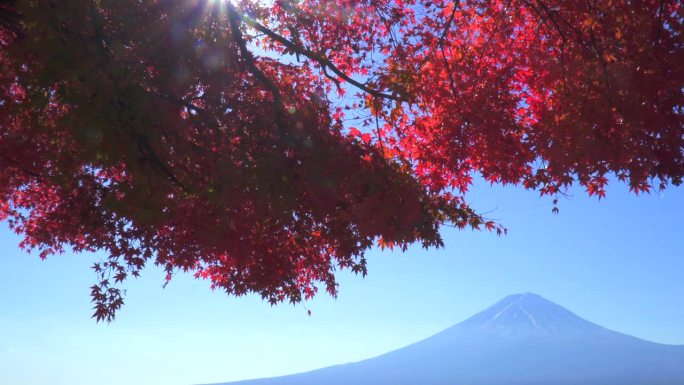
[[523, 339], [525, 314]]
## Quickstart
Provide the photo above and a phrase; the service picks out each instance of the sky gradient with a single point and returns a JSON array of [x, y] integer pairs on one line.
[[617, 262]]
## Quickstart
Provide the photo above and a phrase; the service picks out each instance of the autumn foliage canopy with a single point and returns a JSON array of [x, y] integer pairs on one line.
[[263, 145]]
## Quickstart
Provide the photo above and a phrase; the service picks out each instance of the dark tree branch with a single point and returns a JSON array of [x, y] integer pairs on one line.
[[442, 36], [146, 149], [659, 28], [317, 57], [235, 19], [9, 18], [21, 167]]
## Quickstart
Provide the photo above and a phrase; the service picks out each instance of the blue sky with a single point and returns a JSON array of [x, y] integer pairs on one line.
[[617, 262]]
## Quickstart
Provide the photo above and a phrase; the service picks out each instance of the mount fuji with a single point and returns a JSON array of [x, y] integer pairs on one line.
[[523, 339]]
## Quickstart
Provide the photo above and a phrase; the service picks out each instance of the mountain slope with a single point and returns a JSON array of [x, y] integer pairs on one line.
[[523, 339]]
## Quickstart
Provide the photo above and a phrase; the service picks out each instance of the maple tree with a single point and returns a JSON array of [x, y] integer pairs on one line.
[[263, 145]]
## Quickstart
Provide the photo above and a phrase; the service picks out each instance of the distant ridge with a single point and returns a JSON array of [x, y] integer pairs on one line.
[[523, 339]]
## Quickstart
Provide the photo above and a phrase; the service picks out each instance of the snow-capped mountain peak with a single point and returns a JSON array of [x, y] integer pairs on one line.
[[528, 313]]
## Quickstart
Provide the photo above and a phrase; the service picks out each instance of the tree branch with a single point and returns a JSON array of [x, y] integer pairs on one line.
[[235, 19], [321, 59], [21, 167], [9, 18]]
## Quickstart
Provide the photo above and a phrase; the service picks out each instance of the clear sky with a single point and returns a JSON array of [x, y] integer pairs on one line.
[[617, 262]]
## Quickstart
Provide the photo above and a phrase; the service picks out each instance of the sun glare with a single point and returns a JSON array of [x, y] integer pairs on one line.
[[222, 4], [267, 3]]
